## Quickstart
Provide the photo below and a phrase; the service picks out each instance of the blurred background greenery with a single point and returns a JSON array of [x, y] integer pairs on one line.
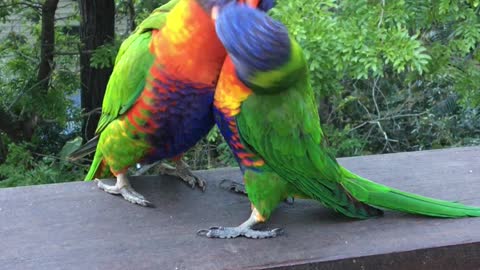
[[390, 76]]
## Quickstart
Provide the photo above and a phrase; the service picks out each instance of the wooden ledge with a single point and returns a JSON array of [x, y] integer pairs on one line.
[[76, 226]]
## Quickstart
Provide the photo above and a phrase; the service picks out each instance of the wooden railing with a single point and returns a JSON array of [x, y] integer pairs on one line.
[[77, 226]]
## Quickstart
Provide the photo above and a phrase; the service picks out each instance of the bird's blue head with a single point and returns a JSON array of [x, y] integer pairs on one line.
[[255, 42], [263, 5]]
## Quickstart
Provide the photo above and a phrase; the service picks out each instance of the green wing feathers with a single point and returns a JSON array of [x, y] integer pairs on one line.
[[284, 130], [126, 83], [127, 80], [131, 68]]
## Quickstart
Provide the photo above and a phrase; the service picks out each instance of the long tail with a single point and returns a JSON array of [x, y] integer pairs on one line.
[[99, 168], [382, 196], [86, 149]]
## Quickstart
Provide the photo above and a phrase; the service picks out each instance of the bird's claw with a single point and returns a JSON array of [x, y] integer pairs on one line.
[[233, 232], [134, 197], [183, 172], [127, 192], [233, 186], [194, 180]]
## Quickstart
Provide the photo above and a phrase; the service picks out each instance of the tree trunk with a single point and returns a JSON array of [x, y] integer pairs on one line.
[[131, 15], [45, 67], [17, 129], [324, 110], [3, 150], [96, 29]]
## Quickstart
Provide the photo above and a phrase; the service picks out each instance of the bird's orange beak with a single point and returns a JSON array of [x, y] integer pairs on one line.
[[214, 13], [251, 3]]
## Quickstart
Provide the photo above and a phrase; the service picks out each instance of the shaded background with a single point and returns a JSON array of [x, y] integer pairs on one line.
[[389, 77]]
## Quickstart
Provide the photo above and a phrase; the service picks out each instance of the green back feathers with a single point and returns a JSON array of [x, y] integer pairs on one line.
[[131, 68], [284, 130]]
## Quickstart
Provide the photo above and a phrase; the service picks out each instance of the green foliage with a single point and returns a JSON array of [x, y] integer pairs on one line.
[[34, 160], [104, 56], [211, 152], [353, 39], [22, 168], [224, 156], [383, 69], [20, 56], [70, 147], [143, 8]]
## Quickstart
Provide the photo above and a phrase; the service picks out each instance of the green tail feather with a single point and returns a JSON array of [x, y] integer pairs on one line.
[[382, 196], [336, 197], [86, 149], [352, 207], [96, 165]]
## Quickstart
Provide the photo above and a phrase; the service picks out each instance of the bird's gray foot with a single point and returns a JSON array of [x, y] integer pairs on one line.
[[182, 171], [233, 186], [233, 232], [132, 196], [123, 187], [245, 229], [107, 188]]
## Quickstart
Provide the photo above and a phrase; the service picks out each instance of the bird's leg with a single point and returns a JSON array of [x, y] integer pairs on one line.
[[182, 171], [236, 187], [123, 187], [244, 229]]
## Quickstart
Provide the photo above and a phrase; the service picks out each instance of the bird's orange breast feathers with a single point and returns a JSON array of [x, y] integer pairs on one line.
[[187, 46], [230, 91]]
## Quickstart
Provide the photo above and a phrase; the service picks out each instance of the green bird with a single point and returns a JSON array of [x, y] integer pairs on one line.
[[265, 108]]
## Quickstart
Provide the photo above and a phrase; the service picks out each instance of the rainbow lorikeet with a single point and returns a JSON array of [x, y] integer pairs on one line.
[[265, 108], [158, 101]]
